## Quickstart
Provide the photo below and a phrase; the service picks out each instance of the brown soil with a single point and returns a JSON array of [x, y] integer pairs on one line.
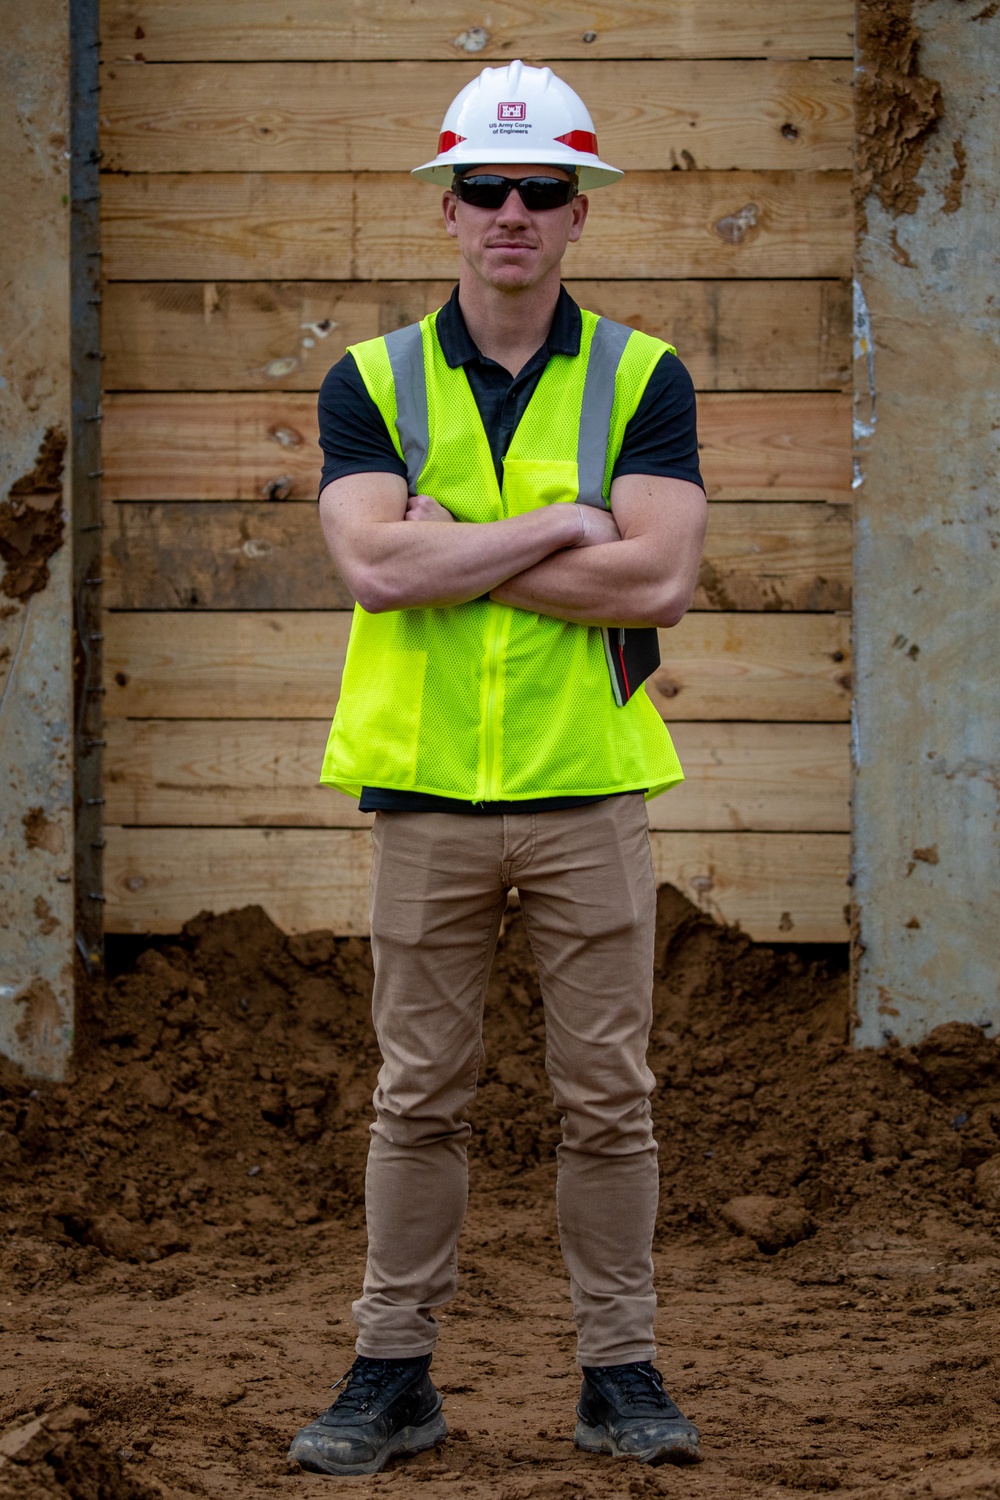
[[31, 521], [184, 1234], [897, 109]]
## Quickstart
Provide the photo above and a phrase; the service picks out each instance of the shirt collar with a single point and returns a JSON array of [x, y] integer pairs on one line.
[[459, 349]]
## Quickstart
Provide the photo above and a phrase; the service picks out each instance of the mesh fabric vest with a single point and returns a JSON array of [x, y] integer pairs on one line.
[[482, 701]]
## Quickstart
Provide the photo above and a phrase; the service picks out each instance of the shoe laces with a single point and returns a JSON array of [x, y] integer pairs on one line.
[[638, 1384], [366, 1381]]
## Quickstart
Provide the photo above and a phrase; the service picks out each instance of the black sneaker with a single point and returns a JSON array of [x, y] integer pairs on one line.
[[387, 1407], [624, 1410]]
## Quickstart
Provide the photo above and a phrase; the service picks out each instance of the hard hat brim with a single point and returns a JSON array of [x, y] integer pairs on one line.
[[591, 171]]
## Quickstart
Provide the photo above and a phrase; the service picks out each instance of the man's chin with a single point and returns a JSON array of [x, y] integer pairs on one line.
[[511, 278]]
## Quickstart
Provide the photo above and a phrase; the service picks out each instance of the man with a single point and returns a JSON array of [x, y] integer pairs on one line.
[[491, 717]]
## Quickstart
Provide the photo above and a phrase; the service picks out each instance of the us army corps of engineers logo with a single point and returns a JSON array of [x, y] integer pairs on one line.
[[511, 118]]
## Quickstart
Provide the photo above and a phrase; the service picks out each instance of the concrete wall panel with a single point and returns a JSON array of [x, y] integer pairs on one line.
[[927, 601], [36, 668]]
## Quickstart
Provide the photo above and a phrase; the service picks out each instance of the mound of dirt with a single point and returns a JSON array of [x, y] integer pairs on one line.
[[222, 1088], [56, 1456]]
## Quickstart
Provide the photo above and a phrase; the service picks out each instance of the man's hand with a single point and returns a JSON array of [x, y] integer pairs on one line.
[[657, 526], [598, 527], [426, 508], [388, 564]]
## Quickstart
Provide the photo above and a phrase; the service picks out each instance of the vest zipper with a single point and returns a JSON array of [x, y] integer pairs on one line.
[[487, 791]]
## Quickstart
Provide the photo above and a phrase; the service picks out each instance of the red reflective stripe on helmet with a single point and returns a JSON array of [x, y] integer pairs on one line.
[[579, 140], [447, 139]]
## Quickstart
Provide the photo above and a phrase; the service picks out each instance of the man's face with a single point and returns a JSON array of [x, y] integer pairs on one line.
[[508, 247]]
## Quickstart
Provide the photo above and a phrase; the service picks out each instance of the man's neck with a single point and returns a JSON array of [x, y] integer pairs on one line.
[[508, 326]]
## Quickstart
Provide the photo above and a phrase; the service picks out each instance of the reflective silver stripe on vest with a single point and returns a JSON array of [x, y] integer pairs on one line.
[[606, 350], [406, 359]]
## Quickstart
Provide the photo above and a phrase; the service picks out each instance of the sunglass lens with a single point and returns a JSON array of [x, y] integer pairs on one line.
[[537, 193], [483, 192], [540, 193]]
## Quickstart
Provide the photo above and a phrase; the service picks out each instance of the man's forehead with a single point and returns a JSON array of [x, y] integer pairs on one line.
[[503, 169]]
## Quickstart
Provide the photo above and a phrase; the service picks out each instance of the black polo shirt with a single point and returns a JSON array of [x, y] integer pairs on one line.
[[661, 439]]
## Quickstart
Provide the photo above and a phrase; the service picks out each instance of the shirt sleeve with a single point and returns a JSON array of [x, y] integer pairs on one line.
[[352, 431], [662, 436]]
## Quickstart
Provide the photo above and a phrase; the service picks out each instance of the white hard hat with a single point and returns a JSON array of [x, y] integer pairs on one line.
[[518, 114]]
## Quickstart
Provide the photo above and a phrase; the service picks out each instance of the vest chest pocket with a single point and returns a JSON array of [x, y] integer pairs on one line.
[[530, 483]]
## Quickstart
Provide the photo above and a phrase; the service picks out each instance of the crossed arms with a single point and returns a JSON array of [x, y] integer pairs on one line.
[[636, 564]]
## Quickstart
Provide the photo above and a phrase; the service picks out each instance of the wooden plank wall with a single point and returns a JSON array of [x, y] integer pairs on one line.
[[258, 217]]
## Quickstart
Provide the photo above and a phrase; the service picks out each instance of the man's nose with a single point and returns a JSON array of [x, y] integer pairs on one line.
[[512, 210]]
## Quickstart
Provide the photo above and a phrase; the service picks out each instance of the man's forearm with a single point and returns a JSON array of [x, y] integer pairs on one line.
[[409, 566], [607, 585]]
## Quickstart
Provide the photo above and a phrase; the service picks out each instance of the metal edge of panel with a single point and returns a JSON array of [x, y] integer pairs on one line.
[[85, 359]]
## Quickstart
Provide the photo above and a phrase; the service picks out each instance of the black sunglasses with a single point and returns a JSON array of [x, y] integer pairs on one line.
[[486, 190]]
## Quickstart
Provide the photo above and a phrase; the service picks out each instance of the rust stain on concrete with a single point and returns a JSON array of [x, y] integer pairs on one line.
[[951, 193], [31, 520], [897, 108], [47, 920], [41, 832], [39, 1029]]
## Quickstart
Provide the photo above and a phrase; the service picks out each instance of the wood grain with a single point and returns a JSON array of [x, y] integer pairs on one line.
[[189, 30], [263, 772], [156, 879], [674, 225], [779, 887], [279, 335], [217, 773], [236, 555], [261, 555], [318, 116], [258, 665], [789, 446]]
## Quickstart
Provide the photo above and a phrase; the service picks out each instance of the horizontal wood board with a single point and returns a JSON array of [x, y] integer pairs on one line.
[[192, 30], [257, 665], [270, 555], [779, 886], [789, 446], [264, 772], [367, 226], [319, 116], [279, 335]]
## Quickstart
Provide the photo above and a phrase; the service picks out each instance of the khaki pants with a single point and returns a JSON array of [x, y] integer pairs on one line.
[[439, 888]]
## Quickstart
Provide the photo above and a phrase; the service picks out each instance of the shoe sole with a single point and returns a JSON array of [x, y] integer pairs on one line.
[[682, 1449], [405, 1442]]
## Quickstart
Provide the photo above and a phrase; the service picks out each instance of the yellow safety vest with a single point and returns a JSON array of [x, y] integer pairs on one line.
[[482, 701]]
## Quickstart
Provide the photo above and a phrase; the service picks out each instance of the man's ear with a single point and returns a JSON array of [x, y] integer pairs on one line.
[[580, 207], [449, 207]]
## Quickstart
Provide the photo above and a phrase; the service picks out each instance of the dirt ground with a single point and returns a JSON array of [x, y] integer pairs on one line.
[[182, 1235]]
